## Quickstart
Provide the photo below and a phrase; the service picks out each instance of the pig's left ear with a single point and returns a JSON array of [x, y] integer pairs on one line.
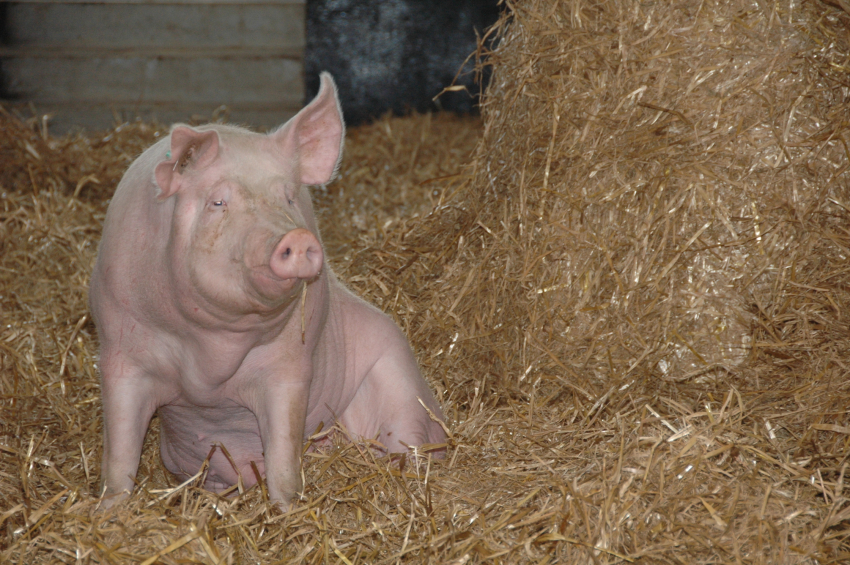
[[190, 149], [315, 135]]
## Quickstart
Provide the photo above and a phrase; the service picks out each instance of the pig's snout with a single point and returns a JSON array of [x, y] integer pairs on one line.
[[297, 255]]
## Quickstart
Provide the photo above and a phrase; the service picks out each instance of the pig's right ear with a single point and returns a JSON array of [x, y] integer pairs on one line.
[[190, 149], [315, 136]]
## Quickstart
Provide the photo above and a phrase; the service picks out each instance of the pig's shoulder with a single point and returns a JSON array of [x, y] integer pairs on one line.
[[357, 312]]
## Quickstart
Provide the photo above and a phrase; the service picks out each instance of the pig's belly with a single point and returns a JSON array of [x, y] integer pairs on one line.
[[190, 432]]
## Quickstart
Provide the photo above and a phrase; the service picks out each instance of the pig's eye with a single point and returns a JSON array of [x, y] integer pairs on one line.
[[218, 203], [291, 201]]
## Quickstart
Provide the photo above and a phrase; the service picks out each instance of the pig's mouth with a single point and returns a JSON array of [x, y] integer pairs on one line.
[[272, 289], [267, 279]]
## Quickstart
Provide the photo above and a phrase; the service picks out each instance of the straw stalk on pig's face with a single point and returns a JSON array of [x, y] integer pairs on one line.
[[215, 308]]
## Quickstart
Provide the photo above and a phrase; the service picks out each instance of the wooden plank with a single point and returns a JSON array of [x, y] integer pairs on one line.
[[93, 117], [263, 25], [89, 63], [139, 79], [225, 53], [240, 2]]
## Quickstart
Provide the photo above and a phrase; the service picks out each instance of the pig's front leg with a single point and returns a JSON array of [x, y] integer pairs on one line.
[[128, 405], [281, 410]]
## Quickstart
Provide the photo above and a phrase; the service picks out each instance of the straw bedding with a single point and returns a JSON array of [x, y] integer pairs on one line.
[[628, 285]]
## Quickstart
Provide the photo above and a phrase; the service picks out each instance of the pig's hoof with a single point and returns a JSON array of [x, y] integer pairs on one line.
[[285, 504], [109, 500]]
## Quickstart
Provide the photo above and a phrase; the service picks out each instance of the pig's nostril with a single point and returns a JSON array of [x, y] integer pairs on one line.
[[298, 255]]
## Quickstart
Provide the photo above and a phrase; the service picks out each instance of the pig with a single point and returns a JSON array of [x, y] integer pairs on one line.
[[216, 309]]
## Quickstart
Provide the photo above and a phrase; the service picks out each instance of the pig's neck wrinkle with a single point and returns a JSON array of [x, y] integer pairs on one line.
[[263, 323], [203, 313], [209, 319], [215, 354]]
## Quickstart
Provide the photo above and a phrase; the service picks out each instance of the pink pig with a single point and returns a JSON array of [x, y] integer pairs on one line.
[[215, 308]]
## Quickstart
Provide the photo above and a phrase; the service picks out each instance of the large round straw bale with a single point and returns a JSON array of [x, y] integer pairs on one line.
[[652, 178]]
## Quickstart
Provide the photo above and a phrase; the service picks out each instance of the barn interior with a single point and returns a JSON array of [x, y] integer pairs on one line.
[[626, 281]]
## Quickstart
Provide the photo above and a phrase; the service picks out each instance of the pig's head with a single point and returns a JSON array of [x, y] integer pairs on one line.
[[243, 234]]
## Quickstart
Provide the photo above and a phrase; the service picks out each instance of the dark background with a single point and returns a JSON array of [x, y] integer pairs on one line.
[[396, 55]]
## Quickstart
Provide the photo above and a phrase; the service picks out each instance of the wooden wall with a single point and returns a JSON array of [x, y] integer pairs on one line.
[[90, 64]]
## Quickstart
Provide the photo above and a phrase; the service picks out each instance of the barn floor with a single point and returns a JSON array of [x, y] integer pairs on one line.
[[540, 469]]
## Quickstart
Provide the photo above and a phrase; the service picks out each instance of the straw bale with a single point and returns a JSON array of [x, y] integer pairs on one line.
[[631, 301], [659, 172]]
